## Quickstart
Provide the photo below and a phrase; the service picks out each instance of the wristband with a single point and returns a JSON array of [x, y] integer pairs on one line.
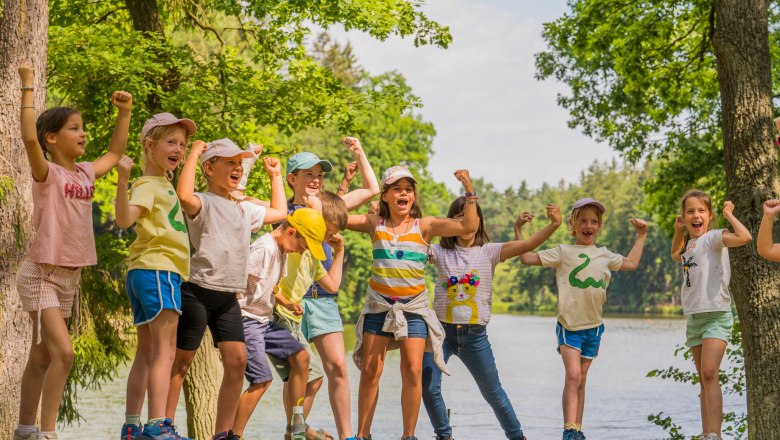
[[471, 194], [27, 88]]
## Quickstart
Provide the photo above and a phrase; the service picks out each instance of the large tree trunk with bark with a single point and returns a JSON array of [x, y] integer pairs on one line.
[[201, 389], [741, 43], [23, 35]]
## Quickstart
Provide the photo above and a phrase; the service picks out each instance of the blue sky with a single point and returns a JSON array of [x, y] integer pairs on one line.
[[491, 115]]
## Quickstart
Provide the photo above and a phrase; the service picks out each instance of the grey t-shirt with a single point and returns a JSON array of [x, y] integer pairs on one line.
[[220, 236], [706, 274]]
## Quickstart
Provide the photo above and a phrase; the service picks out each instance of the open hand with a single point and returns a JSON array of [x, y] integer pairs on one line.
[[27, 73], [123, 167], [122, 100], [639, 224]]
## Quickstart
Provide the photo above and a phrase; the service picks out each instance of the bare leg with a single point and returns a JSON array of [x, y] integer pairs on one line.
[[710, 356], [181, 363], [138, 378], [412, 350], [572, 364], [163, 351], [584, 366], [234, 364], [331, 350], [32, 377], [57, 341], [247, 404], [297, 382], [374, 351]]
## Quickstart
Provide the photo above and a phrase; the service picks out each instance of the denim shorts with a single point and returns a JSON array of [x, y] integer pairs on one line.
[[715, 325], [586, 341], [417, 328], [152, 291]]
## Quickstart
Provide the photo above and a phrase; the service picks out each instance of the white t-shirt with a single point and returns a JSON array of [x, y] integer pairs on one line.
[[464, 292], [267, 266], [582, 274], [706, 274], [220, 236]]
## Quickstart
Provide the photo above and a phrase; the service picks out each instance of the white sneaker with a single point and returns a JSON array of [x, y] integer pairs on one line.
[[47, 436], [31, 436], [713, 436]]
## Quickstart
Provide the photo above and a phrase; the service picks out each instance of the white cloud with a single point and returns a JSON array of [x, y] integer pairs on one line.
[[491, 115]]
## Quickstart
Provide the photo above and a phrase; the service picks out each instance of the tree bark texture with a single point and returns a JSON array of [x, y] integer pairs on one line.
[[741, 42], [23, 35], [201, 389], [145, 15]]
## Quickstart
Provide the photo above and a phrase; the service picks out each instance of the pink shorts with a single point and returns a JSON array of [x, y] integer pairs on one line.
[[44, 286]]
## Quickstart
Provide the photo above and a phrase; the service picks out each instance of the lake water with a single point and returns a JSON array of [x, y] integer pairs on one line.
[[619, 395]]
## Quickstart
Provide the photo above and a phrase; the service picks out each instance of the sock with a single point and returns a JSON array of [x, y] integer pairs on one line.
[[569, 425], [26, 429], [133, 419], [578, 427], [151, 422]]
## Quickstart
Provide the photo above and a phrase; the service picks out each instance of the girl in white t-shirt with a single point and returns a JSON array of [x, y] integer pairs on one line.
[[583, 272], [706, 301], [462, 302]]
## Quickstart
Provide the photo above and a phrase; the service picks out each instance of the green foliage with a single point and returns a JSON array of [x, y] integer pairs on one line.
[[526, 288], [6, 184], [732, 381]]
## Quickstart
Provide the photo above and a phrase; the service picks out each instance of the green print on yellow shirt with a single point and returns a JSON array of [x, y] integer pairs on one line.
[[175, 224], [589, 282]]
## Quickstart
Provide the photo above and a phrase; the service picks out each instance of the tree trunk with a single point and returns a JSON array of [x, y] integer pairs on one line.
[[741, 43], [145, 15], [23, 35], [201, 389]]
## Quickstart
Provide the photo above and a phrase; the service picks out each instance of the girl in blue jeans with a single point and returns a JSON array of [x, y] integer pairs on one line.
[[462, 303]]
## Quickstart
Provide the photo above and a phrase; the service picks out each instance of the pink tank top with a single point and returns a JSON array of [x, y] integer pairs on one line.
[[62, 217]]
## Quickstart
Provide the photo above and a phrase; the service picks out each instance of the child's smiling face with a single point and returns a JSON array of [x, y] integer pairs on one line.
[[224, 173], [168, 151], [307, 182], [71, 139], [697, 216], [400, 197], [586, 225]]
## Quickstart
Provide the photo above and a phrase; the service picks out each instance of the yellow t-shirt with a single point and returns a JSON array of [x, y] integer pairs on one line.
[[162, 242], [302, 271], [583, 274]]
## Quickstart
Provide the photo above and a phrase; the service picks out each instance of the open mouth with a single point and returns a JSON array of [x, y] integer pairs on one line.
[[697, 226], [587, 234], [403, 203], [173, 160], [235, 177]]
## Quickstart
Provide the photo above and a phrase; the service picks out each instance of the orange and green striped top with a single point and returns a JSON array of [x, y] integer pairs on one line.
[[398, 269]]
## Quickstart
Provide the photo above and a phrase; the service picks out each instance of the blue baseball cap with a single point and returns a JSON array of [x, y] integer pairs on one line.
[[305, 160]]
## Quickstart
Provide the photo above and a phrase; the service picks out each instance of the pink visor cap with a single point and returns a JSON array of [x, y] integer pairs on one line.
[[396, 173], [223, 148], [163, 119], [588, 201]]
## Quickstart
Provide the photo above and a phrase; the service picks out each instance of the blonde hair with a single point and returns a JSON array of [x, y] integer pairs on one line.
[[577, 212], [159, 132]]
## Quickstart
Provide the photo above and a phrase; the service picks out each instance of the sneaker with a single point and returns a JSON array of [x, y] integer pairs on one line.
[[570, 434], [409, 437], [130, 432], [47, 436], [226, 436], [444, 438], [31, 436], [580, 435], [713, 436], [164, 430]]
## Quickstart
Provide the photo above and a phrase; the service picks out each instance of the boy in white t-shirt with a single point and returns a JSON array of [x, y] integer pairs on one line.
[[582, 272], [220, 230]]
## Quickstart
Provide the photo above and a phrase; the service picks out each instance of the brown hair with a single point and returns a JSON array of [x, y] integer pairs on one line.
[[334, 210], [575, 215], [707, 200], [52, 121], [481, 237], [384, 208]]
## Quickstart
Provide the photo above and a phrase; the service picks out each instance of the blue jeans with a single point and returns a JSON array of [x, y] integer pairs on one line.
[[470, 343]]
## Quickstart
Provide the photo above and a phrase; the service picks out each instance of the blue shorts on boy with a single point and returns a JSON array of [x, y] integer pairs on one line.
[[586, 341], [716, 325], [266, 338], [320, 317], [152, 291]]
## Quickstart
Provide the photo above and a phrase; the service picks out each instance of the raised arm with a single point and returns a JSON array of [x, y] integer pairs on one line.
[[450, 227], [332, 281], [518, 247], [185, 189], [741, 236], [38, 163], [527, 258], [116, 146], [631, 262], [350, 171], [125, 213], [357, 197], [764, 243], [365, 223], [678, 241], [277, 212]]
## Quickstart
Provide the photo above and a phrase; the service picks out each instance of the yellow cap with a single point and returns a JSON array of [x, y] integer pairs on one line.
[[310, 224]]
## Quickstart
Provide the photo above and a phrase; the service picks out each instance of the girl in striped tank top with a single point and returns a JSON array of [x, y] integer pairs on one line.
[[396, 314]]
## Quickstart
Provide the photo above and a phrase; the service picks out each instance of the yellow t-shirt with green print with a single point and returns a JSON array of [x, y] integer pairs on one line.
[[162, 242]]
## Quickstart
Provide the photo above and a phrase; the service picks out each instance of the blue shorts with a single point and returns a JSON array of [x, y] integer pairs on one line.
[[320, 317], [266, 338], [586, 341], [152, 291], [417, 328]]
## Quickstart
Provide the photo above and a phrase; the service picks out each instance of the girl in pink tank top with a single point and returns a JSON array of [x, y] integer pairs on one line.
[[62, 218]]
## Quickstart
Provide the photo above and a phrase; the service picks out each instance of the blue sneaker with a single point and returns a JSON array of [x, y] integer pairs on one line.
[[130, 432], [161, 431], [570, 434], [581, 436]]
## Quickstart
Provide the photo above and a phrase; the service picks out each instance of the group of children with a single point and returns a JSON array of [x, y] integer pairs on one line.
[[194, 265]]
